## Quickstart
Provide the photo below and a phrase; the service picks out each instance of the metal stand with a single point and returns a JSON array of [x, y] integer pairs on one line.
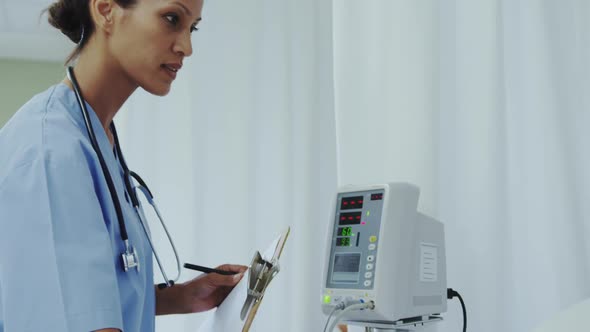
[[399, 326]]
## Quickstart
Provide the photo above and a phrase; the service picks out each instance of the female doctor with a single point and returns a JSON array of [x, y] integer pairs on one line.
[[62, 245]]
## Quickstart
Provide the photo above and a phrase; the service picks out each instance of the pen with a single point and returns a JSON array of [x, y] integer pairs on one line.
[[208, 269]]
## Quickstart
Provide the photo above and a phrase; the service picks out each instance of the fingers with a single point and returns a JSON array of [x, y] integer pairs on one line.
[[233, 268], [219, 280], [216, 279], [230, 280]]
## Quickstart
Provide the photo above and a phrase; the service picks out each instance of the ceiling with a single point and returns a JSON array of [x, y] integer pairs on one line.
[[24, 34]]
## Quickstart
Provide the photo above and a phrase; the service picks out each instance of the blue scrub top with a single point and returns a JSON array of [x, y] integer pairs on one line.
[[60, 246]]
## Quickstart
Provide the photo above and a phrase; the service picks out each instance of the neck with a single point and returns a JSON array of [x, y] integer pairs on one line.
[[103, 84]]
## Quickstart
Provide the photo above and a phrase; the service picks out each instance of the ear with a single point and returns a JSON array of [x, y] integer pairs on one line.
[[102, 12]]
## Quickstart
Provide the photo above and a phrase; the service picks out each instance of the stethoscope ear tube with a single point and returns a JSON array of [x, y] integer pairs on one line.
[[143, 187], [126, 170], [129, 257], [142, 220], [128, 174], [151, 201], [96, 147]]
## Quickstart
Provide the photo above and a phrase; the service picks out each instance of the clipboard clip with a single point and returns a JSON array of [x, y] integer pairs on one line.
[[260, 274]]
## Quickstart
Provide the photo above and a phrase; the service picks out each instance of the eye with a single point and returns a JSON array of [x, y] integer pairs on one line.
[[194, 28], [173, 19]]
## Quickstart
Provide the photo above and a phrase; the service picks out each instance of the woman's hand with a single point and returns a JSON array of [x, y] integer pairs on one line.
[[200, 294], [207, 291]]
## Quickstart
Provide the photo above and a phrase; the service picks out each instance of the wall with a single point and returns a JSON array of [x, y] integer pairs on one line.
[[20, 80]]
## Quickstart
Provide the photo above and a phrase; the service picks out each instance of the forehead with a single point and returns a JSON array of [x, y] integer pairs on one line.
[[193, 7]]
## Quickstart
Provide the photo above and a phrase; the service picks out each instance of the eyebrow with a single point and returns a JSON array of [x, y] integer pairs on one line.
[[183, 7], [188, 12]]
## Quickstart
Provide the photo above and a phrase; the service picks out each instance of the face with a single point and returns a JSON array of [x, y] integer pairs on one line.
[[150, 40]]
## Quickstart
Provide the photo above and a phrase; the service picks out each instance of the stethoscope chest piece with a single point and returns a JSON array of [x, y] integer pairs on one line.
[[130, 259]]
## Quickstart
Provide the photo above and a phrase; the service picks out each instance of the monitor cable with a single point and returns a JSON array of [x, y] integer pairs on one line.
[[345, 309], [451, 293]]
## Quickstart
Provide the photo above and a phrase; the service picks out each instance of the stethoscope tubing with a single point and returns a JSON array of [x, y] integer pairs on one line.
[[94, 142], [132, 191], [150, 198]]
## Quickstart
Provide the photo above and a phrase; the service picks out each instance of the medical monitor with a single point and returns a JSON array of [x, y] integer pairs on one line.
[[381, 249]]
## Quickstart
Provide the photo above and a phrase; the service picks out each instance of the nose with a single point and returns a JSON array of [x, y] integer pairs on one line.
[[183, 45]]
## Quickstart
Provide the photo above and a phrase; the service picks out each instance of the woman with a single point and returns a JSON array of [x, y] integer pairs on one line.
[[60, 241]]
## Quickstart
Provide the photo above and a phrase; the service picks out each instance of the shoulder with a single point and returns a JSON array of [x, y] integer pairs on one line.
[[45, 129]]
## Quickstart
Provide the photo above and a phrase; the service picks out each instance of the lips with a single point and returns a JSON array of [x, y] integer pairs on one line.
[[171, 69]]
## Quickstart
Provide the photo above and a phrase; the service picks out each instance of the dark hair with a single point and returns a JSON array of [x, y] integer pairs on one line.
[[72, 18]]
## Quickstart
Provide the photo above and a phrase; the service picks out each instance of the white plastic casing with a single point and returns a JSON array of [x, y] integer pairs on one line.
[[409, 269]]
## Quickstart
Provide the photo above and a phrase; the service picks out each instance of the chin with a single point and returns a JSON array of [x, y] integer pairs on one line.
[[158, 90]]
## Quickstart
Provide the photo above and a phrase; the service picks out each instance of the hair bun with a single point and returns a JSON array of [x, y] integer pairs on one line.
[[66, 16]]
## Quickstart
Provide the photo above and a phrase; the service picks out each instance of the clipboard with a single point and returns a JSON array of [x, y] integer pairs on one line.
[[237, 312], [260, 274]]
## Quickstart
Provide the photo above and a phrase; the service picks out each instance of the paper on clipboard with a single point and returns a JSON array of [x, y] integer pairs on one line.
[[227, 317]]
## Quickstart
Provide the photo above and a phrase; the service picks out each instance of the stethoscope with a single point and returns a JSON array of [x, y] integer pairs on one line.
[[130, 257]]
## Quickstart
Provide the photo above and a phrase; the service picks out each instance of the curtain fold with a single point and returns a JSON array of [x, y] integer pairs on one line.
[[243, 147], [497, 143], [482, 104]]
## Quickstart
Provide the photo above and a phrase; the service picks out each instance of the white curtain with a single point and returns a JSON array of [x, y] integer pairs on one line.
[[484, 104], [244, 146]]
